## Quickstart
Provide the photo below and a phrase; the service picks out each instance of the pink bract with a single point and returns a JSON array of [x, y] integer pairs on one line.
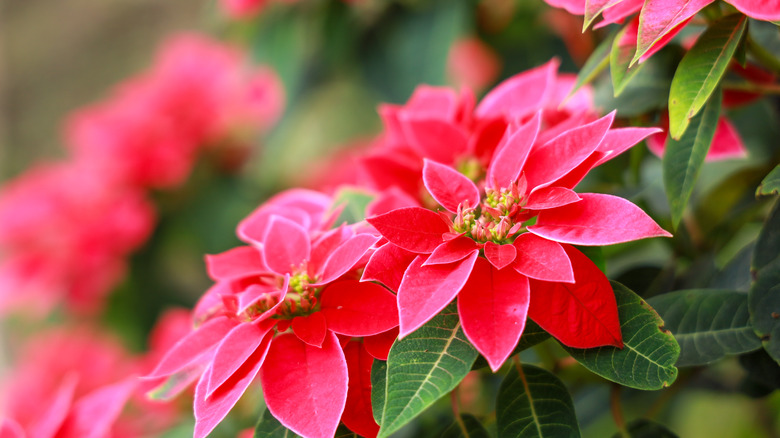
[[278, 310]]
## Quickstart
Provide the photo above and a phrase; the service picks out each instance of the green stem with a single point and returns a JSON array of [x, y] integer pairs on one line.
[[617, 411], [454, 399], [752, 87], [762, 55]]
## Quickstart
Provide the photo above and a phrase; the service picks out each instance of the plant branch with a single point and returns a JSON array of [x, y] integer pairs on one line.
[[455, 400]]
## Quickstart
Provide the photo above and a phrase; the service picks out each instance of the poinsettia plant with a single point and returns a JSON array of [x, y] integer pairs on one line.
[[452, 229]]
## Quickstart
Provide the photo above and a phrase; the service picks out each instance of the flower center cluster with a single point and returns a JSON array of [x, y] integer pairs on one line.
[[301, 299], [498, 218]]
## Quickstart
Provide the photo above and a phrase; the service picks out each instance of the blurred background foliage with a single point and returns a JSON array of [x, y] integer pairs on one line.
[[338, 61]]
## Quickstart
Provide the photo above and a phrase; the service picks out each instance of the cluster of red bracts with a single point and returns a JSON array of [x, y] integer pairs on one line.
[[470, 201]]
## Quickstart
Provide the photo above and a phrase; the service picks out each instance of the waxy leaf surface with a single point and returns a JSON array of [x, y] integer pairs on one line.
[[649, 352], [708, 324], [414, 229], [533, 403], [423, 367]]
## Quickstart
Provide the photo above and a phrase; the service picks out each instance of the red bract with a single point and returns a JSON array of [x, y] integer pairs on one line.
[[64, 236], [197, 94], [500, 243], [71, 384], [276, 310], [726, 144]]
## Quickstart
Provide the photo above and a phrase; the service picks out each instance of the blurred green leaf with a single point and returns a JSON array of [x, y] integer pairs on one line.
[[762, 369], [344, 432], [270, 427], [596, 63], [532, 402], [771, 184], [708, 324], [764, 296], [701, 69], [649, 353], [471, 428], [353, 203], [643, 428], [620, 61], [683, 158], [423, 367]]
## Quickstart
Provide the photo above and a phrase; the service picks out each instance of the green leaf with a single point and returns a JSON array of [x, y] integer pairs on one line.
[[764, 295], [270, 427], [771, 184], [708, 324], [423, 367], [764, 302], [353, 203], [344, 432], [649, 353], [620, 57], [532, 335], [701, 69], [471, 428], [533, 402], [643, 428], [378, 388], [683, 158], [596, 63]]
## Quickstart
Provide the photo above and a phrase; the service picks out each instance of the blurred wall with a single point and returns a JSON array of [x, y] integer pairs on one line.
[[57, 55]]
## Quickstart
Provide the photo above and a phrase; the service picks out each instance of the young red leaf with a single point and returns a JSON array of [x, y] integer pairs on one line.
[[305, 387], [500, 256], [238, 262], [344, 258], [414, 229], [193, 346], [93, 415], [581, 315], [520, 95], [9, 428], [661, 19], [209, 411], [726, 143], [550, 197], [387, 265], [379, 345], [596, 220], [325, 244], [452, 251], [233, 351], [311, 329], [768, 10], [285, 245], [563, 153], [358, 309], [436, 139], [448, 186], [542, 259], [594, 7], [510, 157], [358, 415], [493, 306], [426, 290]]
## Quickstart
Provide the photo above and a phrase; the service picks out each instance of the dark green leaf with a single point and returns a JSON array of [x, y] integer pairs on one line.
[[270, 427], [423, 367], [708, 324], [533, 402], [344, 432], [471, 428], [649, 353], [762, 369], [701, 69], [764, 302], [378, 388], [532, 335], [768, 242], [620, 61], [353, 203], [771, 184], [596, 63], [683, 158], [647, 429]]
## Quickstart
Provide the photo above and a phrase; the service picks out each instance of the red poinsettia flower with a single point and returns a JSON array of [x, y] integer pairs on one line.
[[285, 308], [503, 246]]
